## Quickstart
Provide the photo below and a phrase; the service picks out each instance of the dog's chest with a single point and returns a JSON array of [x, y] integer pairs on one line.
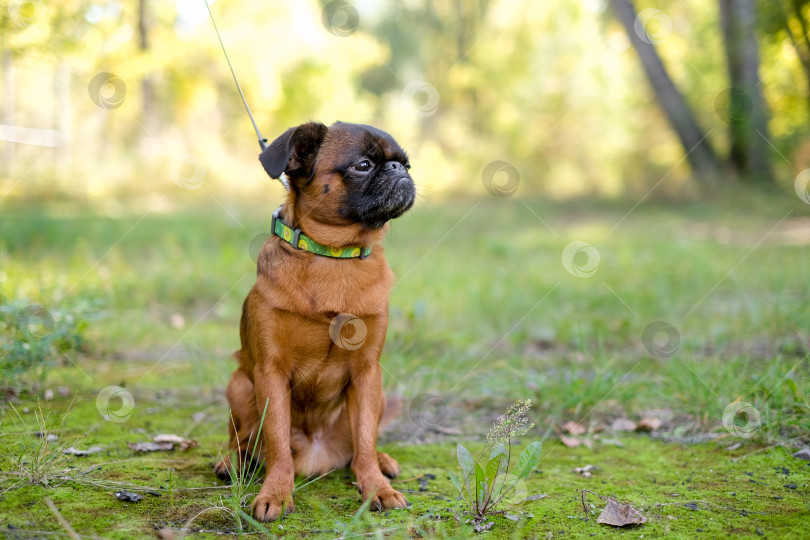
[[326, 285], [319, 380]]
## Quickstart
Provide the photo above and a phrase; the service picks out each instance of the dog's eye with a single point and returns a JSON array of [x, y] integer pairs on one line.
[[363, 166]]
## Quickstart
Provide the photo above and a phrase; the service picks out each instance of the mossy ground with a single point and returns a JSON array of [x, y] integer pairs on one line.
[[483, 313], [747, 491]]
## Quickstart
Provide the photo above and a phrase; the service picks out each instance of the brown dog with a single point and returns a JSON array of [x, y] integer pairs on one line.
[[320, 383]]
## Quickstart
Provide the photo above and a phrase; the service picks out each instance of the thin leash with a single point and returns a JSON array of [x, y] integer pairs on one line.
[[262, 140], [291, 235]]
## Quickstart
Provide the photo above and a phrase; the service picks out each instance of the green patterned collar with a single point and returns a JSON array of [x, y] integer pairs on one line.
[[301, 241]]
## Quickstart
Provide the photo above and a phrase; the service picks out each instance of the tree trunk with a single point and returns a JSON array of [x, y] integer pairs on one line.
[[63, 117], [8, 109], [746, 111], [694, 141], [802, 48], [147, 90]]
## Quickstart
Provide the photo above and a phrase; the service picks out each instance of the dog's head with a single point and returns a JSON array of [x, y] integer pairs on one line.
[[343, 174]]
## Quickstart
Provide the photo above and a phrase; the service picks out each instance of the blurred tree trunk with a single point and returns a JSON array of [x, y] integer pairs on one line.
[[8, 109], [147, 88], [63, 116], [804, 54], [699, 151], [801, 43], [746, 110], [469, 18]]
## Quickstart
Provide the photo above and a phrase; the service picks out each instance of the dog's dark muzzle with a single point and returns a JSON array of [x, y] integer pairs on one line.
[[389, 196], [401, 197]]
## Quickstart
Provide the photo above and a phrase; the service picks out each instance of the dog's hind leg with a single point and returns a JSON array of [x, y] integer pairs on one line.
[[242, 428]]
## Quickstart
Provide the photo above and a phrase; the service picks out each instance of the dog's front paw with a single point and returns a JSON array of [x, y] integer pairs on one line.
[[272, 503], [388, 465], [382, 495]]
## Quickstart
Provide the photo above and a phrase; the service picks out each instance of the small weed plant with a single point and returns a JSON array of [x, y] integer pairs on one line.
[[488, 484], [33, 338], [244, 472], [36, 454]]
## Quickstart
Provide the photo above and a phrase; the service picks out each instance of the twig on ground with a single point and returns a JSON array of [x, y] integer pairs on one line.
[[62, 521], [584, 504], [193, 518], [409, 479]]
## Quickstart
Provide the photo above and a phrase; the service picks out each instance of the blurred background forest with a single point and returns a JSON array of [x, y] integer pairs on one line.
[[613, 220], [598, 98]]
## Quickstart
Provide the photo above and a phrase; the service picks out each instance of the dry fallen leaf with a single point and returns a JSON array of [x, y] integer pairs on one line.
[[76, 452], [804, 454], [615, 442], [445, 430], [618, 514], [182, 444], [166, 533], [151, 446], [163, 443], [482, 527], [574, 428], [649, 423], [570, 442], [623, 424], [168, 437], [177, 320]]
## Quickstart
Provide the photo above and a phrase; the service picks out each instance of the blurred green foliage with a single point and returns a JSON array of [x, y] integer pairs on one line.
[[553, 88], [33, 339]]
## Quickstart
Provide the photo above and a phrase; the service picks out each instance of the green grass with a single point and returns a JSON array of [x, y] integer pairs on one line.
[[737, 491], [483, 313]]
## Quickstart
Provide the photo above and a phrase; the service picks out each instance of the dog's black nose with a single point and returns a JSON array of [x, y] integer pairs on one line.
[[394, 166]]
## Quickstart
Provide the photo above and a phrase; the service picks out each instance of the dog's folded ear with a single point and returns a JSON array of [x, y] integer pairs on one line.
[[294, 151]]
